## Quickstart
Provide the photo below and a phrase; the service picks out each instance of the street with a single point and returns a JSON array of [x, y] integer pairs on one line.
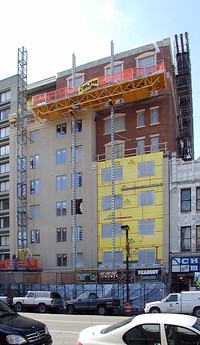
[[65, 328]]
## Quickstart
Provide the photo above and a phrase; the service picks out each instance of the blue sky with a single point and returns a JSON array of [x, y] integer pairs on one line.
[[52, 31]]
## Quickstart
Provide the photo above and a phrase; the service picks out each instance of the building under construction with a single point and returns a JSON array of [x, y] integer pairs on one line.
[[93, 146]]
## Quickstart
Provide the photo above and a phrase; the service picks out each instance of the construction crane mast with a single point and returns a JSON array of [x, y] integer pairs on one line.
[[21, 150], [185, 140]]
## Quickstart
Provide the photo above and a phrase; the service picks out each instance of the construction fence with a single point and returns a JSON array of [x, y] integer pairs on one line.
[[139, 294]]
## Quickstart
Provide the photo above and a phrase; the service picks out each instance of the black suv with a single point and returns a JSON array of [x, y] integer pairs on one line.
[[17, 329]]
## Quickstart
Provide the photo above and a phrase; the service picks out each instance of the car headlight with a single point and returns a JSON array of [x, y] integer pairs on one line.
[[15, 339], [46, 330]]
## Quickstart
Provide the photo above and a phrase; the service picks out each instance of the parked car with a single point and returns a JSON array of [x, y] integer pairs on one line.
[[89, 302], [41, 300], [150, 329], [6, 299], [186, 302], [17, 329]]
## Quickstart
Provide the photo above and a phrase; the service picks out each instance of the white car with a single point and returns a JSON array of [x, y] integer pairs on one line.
[[145, 329]]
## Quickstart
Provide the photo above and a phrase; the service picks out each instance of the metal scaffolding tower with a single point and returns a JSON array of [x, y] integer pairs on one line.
[[185, 140], [74, 229], [21, 150]]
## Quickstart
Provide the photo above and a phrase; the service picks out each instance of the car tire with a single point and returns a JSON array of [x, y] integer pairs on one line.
[[154, 310], [70, 309], [42, 308], [101, 310], [18, 307], [196, 312]]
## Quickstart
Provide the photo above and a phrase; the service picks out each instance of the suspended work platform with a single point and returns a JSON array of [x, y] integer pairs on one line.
[[131, 85]]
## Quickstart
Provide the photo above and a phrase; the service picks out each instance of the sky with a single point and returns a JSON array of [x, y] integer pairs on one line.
[[52, 30]]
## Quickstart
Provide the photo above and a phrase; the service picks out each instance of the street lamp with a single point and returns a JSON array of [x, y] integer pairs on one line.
[[126, 228]]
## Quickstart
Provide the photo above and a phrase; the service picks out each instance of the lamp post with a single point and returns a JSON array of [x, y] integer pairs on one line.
[[126, 228]]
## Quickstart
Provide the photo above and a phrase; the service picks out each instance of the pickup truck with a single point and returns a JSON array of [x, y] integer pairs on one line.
[[41, 300], [186, 302], [88, 302]]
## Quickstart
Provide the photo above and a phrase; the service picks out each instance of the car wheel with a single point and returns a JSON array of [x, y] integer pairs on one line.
[[70, 309], [101, 310], [196, 312], [154, 310], [19, 307], [42, 308]]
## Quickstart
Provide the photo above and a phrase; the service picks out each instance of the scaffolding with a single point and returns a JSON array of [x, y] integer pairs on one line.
[[185, 140], [21, 150]]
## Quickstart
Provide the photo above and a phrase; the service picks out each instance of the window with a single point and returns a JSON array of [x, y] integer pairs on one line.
[[61, 260], [61, 208], [185, 238], [79, 153], [198, 198], [4, 150], [4, 132], [119, 123], [140, 146], [144, 61], [181, 335], [4, 222], [198, 237], [61, 234], [35, 211], [155, 144], [79, 260], [141, 333], [186, 200], [79, 79], [106, 174], [4, 204], [146, 257], [21, 190], [140, 118], [61, 130], [118, 68], [5, 96], [78, 180], [107, 259], [4, 114], [35, 162], [146, 227], [119, 150], [78, 206], [4, 168], [34, 186], [78, 235], [4, 240], [61, 156], [154, 115], [107, 231], [4, 186], [146, 169], [78, 126], [61, 182], [35, 137], [21, 164], [35, 236], [106, 202], [146, 198]]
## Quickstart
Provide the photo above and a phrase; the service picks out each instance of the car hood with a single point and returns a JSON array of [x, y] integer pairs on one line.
[[154, 302], [18, 322]]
